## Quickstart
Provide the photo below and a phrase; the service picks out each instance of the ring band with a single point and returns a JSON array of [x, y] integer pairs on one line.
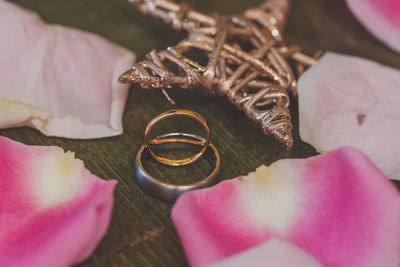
[[170, 113], [166, 191]]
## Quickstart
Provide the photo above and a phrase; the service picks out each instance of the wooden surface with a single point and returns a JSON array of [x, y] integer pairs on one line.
[[141, 232]]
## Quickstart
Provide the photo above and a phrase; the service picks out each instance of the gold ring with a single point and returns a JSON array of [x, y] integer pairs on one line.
[[170, 113], [169, 191]]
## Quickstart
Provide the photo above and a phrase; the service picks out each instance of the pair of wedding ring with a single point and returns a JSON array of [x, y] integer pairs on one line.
[[174, 141]]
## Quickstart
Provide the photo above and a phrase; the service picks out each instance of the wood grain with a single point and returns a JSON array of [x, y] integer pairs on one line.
[[141, 232]]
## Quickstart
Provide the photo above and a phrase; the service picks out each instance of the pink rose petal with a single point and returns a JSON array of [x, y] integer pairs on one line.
[[53, 211], [338, 207], [350, 101], [381, 18], [274, 253], [61, 81]]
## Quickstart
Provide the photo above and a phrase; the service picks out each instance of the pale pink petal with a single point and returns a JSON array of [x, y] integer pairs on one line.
[[53, 211], [381, 18], [350, 101], [337, 207], [273, 253], [61, 81]]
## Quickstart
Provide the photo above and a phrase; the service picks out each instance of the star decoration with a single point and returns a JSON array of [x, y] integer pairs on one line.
[[244, 58]]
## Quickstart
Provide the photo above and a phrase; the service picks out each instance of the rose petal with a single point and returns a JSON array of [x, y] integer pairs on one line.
[[53, 211], [381, 18], [345, 100], [61, 81], [338, 207], [274, 253]]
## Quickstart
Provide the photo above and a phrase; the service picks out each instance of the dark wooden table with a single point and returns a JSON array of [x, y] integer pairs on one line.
[[141, 232]]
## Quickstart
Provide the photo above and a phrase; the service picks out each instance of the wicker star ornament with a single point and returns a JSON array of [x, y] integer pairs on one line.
[[244, 58]]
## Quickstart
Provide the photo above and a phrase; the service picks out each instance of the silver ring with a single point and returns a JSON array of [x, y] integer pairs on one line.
[[166, 191]]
